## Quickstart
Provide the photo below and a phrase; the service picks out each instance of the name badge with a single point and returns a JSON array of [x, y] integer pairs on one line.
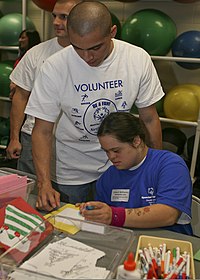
[[120, 195]]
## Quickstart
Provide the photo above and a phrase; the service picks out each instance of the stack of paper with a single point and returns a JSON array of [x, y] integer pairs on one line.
[[12, 186]]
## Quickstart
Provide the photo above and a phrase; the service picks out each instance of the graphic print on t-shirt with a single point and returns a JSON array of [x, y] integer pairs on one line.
[[96, 112]]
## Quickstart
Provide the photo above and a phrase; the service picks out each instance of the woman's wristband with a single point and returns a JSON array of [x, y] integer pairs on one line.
[[118, 216]]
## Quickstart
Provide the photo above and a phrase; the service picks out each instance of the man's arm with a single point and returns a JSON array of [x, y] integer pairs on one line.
[[17, 115], [48, 198], [151, 120]]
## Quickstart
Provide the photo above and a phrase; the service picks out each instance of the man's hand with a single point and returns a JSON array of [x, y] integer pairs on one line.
[[14, 149], [48, 198]]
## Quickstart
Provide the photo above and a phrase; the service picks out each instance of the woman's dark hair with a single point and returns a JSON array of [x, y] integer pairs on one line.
[[33, 38], [123, 126]]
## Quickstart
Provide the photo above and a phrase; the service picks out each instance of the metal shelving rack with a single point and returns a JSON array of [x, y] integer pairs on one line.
[[185, 123], [24, 12]]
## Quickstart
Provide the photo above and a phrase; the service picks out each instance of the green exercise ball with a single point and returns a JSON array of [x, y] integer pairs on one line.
[[11, 27], [150, 29], [5, 71], [116, 21], [4, 140], [4, 126], [158, 104]]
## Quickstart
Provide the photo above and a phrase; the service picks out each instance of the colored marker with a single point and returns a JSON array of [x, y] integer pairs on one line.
[[159, 264], [177, 253], [163, 259], [167, 262], [188, 266], [153, 260], [174, 256], [144, 263], [176, 268]]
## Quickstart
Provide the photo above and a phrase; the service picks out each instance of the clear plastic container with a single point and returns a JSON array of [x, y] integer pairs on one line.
[[23, 192]]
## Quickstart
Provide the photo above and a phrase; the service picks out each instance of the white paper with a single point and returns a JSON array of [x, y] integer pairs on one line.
[[67, 259]]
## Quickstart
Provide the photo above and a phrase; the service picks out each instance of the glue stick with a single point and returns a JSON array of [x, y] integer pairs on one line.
[[128, 270]]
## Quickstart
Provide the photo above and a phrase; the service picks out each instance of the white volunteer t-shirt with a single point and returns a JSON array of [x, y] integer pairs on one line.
[[86, 95], [27, 69]]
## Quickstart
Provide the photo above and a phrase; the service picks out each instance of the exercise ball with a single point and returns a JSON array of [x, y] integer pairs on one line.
[[4, 126], [46, 5], [187, 44], [194, 88], [4, 140], [116, 21], [11, 27], [158, 104], [181, 103], [150, 29], [9, 62], [5, 71], [174, 140]]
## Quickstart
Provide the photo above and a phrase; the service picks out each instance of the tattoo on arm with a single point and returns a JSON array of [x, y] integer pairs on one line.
[[139, 211]]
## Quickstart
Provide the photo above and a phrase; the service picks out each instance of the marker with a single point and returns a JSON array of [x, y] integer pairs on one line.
[[153, 259], [177, 253], [177, 268], [163, 259], [167, 263], [159, 264], [174, 257], [149, 260], [144, 262], [89, 207], [188, 266]]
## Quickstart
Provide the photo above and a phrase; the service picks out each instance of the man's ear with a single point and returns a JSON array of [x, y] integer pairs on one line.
[[113, 31], [136, 141]]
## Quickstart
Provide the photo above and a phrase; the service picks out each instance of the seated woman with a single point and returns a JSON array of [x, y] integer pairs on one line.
[[144, 188]]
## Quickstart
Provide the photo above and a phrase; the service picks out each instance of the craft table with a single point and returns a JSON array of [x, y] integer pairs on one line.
[[156, 232]]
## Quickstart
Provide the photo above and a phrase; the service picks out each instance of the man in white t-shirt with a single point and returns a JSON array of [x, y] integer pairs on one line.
[[94, 76], [24, 76]]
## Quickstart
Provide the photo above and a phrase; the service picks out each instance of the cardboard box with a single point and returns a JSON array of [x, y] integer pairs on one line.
[[23, 192], [144, 240]]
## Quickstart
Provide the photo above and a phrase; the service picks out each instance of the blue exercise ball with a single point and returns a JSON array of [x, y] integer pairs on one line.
[[11, 27], [150, 29], [187, 44]]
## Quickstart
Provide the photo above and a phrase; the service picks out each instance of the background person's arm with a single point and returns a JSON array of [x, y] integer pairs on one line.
[[151, 120], [48, 198], [17, 115]]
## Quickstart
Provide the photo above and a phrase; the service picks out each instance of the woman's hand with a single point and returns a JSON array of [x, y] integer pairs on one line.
[[96, 212]]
